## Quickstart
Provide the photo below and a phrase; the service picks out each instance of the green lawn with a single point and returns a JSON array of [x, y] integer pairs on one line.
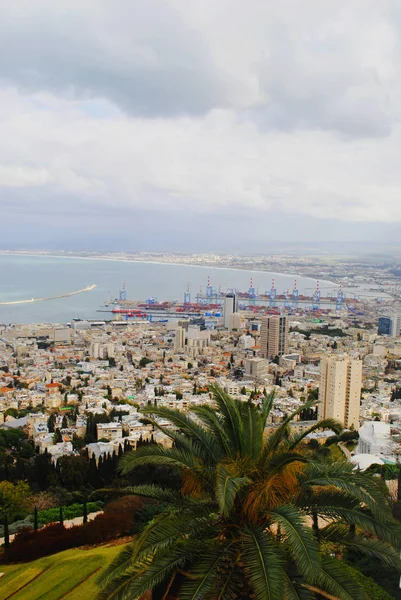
[[336, 454], [71, 575]]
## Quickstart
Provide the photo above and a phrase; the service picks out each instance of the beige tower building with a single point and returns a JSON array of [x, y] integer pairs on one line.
[[274, 336], [340, 389], [179, 342]]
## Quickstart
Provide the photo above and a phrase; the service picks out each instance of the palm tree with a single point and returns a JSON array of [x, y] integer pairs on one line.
[[256, 516]]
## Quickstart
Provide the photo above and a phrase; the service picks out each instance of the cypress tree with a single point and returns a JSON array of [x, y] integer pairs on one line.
[[50, 423], [61, 519], [35, 519], [6, 532], [85, 513]]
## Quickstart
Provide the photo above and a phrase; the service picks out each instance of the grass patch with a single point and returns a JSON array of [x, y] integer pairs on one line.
[[19, 577], [71, 575], [336, 454]]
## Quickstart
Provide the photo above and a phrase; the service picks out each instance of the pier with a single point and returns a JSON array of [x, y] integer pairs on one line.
[[67, 295]]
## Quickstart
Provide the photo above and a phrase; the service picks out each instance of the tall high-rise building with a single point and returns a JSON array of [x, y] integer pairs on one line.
[[274, 336], [179, 342], [229, 308], [389, 325], [340, 389]]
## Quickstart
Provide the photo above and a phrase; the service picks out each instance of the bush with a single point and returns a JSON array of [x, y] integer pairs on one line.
[[18, 525], [51, 515], [121, 517]]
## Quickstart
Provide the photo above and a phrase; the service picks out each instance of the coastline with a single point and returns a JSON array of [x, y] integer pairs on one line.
[[103, 257]]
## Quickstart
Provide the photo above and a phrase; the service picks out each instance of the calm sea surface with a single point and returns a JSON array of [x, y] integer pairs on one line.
[[25, 277]]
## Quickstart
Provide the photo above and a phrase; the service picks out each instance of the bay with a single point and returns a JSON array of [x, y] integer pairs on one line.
[[24, 277]]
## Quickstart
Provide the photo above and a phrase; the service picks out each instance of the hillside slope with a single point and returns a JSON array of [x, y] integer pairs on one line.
[[69, 575]]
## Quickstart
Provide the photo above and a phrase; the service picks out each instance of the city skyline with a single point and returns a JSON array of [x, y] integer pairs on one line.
[[170, 125]]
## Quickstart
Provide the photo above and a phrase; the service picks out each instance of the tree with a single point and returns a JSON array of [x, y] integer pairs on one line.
[[35, 518], [255, 516], [50, 423], [6, 532], [61, 518], [14, 499], [84, 512], [64, 422]]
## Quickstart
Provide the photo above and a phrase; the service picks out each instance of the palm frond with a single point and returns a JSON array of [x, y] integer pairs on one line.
[[117, 567], [228, 484], [215, 425], [376, 549], [159, 455], [169, 496], [333, 424], [204, 575], [263, 564], [293, 591], [162, 565], [389, 531], [185, 424], [301, 544], [168, 529], [253, 430], [230, 411], [335, 578], [283, 431], [357, 485], [266, 406], [118, 588]]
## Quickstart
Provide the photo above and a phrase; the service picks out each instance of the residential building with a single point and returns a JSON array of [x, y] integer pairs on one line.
[[61, 336], [179, 342], [255, 367], [274, 336], [389, 325], [109, 431], [340, 389], [230, 307]]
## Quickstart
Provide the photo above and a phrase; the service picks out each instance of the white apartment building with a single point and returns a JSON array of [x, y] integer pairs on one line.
[[109, 431]]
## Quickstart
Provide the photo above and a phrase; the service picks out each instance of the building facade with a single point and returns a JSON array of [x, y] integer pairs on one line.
[[340, 390], [179, 341], [230, 307], [274, 336], [389, 325]]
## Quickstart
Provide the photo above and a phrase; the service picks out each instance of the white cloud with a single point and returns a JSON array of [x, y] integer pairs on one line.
[[210, 107], [17, 176]]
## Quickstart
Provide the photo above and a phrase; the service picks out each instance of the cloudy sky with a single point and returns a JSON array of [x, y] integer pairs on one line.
[[199, 124]]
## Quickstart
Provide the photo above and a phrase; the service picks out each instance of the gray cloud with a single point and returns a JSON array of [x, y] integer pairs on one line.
[[203, 123], [331, 66], [139, 55]]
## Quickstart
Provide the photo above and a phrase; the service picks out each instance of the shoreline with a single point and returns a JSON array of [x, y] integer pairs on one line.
[[37, 254]]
